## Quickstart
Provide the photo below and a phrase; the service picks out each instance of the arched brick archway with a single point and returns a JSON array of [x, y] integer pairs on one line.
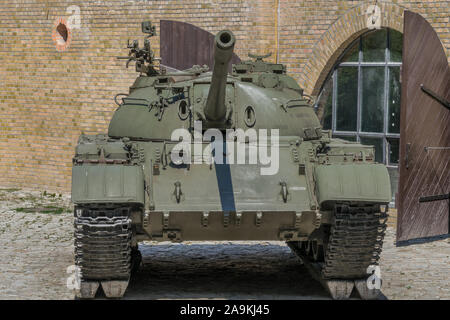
[[339, 36]]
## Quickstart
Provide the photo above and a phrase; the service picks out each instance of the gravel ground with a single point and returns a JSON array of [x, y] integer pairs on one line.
[[37, 248]]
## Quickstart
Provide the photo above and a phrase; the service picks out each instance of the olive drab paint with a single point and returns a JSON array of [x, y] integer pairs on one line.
[[127, 186]]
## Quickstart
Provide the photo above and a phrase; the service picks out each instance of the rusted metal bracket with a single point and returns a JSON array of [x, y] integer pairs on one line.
[[435, 96]]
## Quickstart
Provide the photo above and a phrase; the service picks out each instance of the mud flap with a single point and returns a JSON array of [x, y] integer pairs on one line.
[[107, 184], [353, 182]]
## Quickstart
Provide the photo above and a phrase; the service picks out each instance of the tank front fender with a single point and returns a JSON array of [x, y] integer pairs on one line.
[[107, 184], [352, 182]]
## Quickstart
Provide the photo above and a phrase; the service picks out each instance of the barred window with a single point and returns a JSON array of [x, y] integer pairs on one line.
[[360, 100]]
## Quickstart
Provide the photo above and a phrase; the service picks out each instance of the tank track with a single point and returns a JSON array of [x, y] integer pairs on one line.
[[355, 242], [103, 249]]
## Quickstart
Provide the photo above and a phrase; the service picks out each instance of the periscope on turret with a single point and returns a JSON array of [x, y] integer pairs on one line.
[[327, 199]]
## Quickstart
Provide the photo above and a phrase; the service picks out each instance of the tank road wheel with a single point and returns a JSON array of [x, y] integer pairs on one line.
[[103, 249], [354, 243]]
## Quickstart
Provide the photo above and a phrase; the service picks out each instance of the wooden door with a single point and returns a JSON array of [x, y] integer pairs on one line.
[[424, 184], [183, 45]]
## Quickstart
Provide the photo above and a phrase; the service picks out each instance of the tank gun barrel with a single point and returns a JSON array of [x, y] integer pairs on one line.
[[215, 109]]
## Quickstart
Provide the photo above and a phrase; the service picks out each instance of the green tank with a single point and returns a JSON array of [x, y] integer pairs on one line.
[[157, 175]]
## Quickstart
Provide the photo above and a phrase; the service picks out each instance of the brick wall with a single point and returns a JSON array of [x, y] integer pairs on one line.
[[48, 97]]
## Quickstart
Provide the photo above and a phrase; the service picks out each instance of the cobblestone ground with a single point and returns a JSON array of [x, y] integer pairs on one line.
[[36, 247], [420, 271]]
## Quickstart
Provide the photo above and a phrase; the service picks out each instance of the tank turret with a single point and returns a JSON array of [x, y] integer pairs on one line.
[[215, 109]]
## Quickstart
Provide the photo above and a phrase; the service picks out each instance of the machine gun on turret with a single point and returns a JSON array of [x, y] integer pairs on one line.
[[144, 57]]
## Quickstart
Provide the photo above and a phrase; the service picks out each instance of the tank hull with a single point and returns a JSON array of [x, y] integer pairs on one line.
[[133, 191], [201, 201]]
